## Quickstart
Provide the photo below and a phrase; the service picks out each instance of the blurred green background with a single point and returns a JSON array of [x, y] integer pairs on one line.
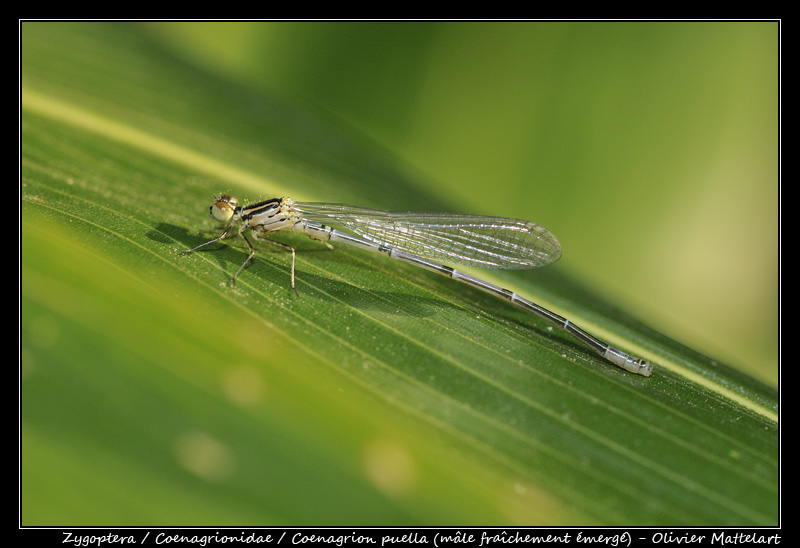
[[650, 149]]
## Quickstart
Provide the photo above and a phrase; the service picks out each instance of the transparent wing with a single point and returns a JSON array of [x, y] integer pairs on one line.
[[473, 240]]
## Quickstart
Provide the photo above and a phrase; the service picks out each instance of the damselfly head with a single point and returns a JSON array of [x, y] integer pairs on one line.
[[223, 208]]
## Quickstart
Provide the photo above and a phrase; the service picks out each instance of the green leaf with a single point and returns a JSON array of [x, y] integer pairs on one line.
[[153, 392]]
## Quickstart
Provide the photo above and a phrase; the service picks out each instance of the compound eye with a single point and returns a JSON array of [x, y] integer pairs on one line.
[[224, 208]]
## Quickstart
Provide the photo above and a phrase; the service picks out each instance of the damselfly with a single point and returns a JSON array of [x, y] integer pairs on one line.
[[422, 239]]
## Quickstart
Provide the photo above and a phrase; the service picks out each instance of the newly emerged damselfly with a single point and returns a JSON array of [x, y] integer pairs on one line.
[[422, 239]]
